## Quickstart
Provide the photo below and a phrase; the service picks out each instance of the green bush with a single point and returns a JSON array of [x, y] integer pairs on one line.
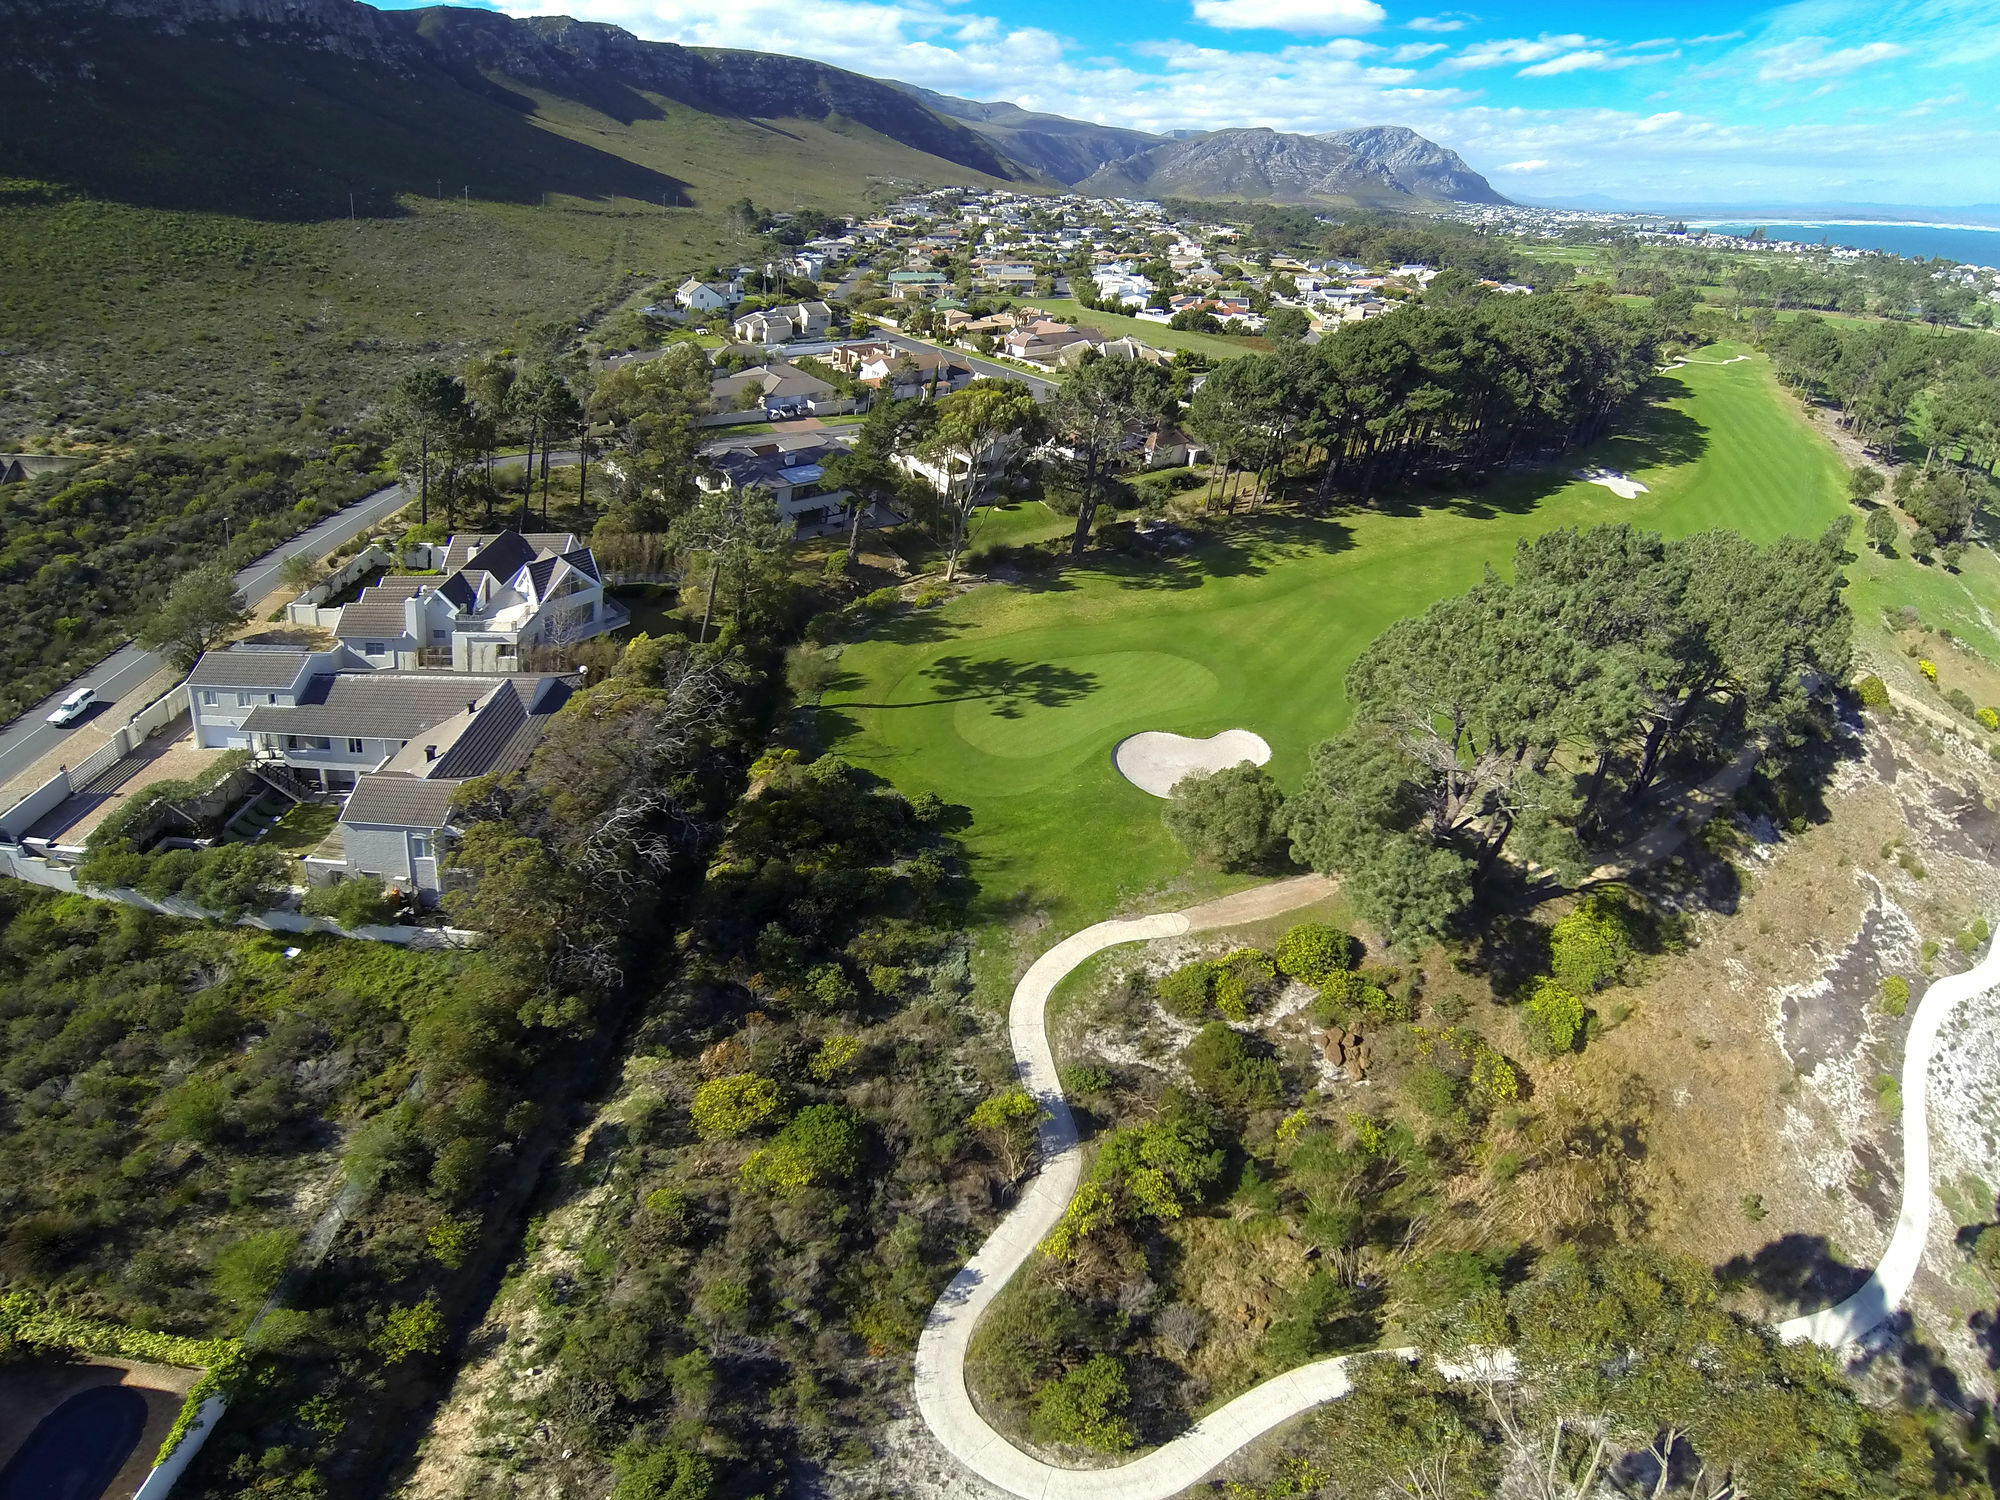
[[1361, 996], [246, 1270], [350, 903], [1873, 692], [1432, 1090], [882, 601], [194, 1112], [641, 1472], [1232, 818], [725, 1107], [406, 1331], [821, 1143], [1895, 994], [1086, 1406], [1589, 947], [1188, 991], [1313, 952], [1554, 1019], [1242, 979], [1224, 1067], [1961, 700]]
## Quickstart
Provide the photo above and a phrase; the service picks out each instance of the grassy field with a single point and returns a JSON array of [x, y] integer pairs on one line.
[[1010, 699], [1215, 345]]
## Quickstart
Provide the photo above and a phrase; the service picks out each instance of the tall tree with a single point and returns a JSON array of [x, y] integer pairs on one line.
[[1100, 404], [976, 431], [429, 406], [201, 611]]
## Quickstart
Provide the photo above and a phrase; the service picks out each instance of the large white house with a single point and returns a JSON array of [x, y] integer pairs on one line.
[[396, 744], [500, 592], [707, 296]]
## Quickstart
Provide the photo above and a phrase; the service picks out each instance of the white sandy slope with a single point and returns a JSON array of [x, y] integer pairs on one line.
[[1155, 760]]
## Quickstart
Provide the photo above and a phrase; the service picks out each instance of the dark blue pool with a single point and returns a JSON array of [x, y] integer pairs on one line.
[[79, 1447]]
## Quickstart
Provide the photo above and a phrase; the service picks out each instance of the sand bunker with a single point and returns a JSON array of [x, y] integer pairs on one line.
[[1155, 760], [1612, 480]]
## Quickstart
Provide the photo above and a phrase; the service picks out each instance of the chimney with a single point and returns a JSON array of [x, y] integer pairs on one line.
[[430, 752], [472, 705]]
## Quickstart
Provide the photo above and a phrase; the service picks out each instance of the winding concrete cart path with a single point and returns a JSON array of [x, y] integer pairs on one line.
[[941, 1392]]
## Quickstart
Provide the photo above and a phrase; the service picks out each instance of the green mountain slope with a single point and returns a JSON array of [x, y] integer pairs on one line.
[[179, 254]]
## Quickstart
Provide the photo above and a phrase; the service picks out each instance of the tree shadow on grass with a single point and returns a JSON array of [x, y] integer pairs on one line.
[[1657, 436], [1010, 685], [1799, 1272]]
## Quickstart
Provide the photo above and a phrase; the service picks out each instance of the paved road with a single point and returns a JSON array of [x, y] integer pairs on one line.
[[31, 737], [941, 1393]]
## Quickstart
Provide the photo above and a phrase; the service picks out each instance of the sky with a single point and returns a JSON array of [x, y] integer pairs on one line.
[[1696, 101]]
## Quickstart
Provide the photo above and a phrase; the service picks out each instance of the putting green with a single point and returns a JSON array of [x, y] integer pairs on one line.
[[1010, 699], [1076, 699]]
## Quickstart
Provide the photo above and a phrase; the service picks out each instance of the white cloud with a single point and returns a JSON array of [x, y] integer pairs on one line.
[[1456, 20], [1593, 59], [1413, 51], [1808, 57], [1659, 122], [1720, 36], [1525, 166], [1309, 16], [1513, 50]]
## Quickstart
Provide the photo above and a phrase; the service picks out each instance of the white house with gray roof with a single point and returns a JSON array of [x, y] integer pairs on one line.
[[500, 592], [397, 744]]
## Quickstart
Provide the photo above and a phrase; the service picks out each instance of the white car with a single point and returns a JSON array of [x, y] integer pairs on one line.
[[72, 708]]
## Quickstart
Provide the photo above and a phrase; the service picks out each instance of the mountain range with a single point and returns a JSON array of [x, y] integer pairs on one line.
[[297, 108], [1376, 165]]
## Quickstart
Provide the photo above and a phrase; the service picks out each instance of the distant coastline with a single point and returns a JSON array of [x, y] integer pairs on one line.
[[1963, 244]]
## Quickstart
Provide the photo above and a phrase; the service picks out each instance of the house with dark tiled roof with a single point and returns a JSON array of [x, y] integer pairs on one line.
[[498, 592], [394, 746]]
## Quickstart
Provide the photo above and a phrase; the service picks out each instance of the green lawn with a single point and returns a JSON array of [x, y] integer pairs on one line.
[[1010, 700], [1215, 345], [1012, 525]]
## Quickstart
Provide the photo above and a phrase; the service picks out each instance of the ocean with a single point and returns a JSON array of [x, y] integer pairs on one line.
[[1962, 243]]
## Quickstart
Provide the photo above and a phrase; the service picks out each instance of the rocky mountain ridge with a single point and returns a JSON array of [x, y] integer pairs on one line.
[[1380, 165]]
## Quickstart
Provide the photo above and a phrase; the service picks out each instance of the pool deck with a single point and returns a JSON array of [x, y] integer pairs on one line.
[[29, 1391]]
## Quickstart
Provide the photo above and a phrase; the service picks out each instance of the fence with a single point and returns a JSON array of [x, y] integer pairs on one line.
[[26, 862], [308, 608]]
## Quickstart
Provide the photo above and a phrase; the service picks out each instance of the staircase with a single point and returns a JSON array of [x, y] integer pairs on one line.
[[285, 779]]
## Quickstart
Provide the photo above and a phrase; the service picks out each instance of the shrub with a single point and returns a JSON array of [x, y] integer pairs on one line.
[[1224, 1068], [809, 671], [1895, 994], [1086, 1406], [725, 1107], [932, 594], [1231, 818], [1989, 719], [451, 1240], [1929, 669], [1874, 693], [1304, 1330], [417, 1329], [1313, 952], [350, 903], [1359, 995], [1082, 1079], [1493, 1078], [1961, 700], [246, 1270], [194, 1112], [661, 1473], [1588, 946], [1241, 980], [1188, 991], [1432, 1090], [882, 601], [821, 1143], [1554, 1019], [835, 1054]]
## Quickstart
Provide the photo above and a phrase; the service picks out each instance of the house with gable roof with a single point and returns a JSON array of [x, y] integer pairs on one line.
[[500, 592]]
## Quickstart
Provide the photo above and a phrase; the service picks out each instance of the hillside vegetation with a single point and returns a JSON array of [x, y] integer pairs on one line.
[[216, 232]]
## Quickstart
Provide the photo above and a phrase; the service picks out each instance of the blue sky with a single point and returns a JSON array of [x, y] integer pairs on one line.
[[1822, 100]]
